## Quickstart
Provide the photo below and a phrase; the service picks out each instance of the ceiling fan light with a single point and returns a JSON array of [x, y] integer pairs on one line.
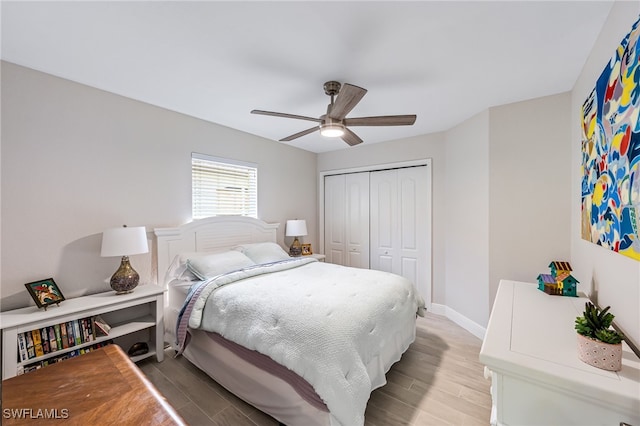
[[332, 130]]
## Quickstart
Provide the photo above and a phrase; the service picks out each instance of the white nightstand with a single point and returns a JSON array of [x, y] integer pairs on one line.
[[320, 257], [133, 317]]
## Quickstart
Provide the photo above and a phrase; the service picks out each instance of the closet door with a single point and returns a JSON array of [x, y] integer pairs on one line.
[[398, 223], [347, 219], [335, 245], [384, 219]]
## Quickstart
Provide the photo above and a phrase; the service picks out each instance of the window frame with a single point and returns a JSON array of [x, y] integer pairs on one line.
[[247, 207]]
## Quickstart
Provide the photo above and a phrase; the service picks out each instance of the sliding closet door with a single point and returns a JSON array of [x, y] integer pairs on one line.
[[398, 227], [346, 218], [334, 219]]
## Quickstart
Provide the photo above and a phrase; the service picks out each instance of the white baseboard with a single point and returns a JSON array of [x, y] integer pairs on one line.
[[464, 322], [438, 309]]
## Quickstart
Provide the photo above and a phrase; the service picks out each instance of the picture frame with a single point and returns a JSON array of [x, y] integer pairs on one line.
[[45, 293], [306, 249]]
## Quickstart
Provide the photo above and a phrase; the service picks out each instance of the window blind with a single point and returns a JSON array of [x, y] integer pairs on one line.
[[223, 187]]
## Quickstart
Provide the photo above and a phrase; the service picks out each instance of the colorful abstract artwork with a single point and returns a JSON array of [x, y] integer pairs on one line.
[[611, 153]]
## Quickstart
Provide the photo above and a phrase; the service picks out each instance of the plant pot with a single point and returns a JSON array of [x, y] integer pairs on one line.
[[599, 354]]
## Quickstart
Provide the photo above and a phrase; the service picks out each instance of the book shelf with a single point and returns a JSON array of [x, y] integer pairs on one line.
[[133, 317]]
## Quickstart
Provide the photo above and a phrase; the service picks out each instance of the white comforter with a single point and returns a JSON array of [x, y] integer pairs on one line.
[[325, 322]]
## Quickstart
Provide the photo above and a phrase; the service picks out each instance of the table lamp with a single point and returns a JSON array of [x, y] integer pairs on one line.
[[296, 228], [124, 242]]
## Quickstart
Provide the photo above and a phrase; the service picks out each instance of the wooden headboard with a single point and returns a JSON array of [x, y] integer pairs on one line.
[[214, 234]]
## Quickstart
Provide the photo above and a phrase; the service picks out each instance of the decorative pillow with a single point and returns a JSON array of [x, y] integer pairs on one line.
[[215, 264], [263, 252]]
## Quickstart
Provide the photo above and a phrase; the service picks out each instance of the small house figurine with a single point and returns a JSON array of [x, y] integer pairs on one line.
[[568, 284], [560, 282], [559, 267], [547, 283]]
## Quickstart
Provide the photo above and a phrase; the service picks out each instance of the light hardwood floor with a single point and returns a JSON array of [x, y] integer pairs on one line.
[[438, 381]]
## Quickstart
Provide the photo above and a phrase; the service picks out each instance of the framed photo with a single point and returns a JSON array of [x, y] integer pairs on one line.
[[306, 249], [45, 293]]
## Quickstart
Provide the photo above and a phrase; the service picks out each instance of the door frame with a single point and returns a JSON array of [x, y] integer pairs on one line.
[[386, 166]]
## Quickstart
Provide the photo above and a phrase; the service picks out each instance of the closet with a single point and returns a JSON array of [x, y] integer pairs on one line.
[[379, 219]]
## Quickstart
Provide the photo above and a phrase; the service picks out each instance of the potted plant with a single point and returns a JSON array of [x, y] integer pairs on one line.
[[598, 344]]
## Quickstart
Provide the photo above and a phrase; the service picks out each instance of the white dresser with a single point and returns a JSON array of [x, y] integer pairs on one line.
[[537, 377]]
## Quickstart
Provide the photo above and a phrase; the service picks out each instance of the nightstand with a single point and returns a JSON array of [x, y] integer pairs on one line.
[[320, 257]]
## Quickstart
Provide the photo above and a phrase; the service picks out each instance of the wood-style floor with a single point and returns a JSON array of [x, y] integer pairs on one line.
[[438, 381]]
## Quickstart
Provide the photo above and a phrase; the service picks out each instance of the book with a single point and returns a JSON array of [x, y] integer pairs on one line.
[[44, 339], [77, 332], [90, 329], [58, 336], [31, 353], [37, 343], [83, 330], [70, 335], [53, 343], [84, 323], [22, 347], [101, 326], [63, 335]]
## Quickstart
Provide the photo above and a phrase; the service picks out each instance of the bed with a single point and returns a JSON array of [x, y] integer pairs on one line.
[[303, 341]]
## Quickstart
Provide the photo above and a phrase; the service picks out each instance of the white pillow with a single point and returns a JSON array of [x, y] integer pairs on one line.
[[263, 252], [178, 269], [215, 264]]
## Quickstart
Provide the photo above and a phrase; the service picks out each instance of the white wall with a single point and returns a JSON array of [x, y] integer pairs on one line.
[[613, 279], [417, 148], [529, 194], [77, 160], [467, 219], [507, 201]]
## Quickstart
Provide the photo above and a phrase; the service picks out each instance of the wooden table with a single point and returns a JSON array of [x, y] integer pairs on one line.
[[101, 387]]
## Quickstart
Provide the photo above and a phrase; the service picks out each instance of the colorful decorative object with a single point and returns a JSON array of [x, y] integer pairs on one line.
[[558, 267], [546, 280], [568, 284], [559, 282], [45, 293], [611, 153]]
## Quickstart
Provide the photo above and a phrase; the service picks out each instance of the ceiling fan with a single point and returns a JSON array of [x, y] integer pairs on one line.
[[334, 123]]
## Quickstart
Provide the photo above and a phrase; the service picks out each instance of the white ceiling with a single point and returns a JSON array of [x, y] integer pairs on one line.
[[444, 61]]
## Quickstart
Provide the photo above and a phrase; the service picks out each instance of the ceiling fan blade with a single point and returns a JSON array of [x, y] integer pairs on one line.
[[351, 138], [348, 98], [281, 114], [383, 120], [299, 134]]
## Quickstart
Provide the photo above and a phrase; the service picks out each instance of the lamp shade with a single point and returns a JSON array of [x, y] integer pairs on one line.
[[124, 241], [296, 228]]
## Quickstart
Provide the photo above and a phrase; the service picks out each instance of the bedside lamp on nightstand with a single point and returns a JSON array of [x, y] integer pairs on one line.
[[296, 228], [124, 242]]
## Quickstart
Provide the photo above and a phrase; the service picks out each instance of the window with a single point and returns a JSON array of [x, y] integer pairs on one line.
[[223, 187]]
